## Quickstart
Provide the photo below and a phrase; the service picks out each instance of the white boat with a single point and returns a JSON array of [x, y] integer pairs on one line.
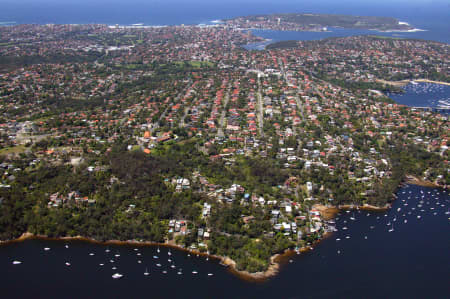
[[392, 228], [101, 264], [114, 268], [179, 272], [406, 220], [155, 257], [139, 261], [347, 237], [158, 265], [107, 250], [418, 216], [353, 217], [91, 254], [169, 260], [46, 248], [169, 253], [146, 272], [164, 272], [17, 262], [67, 246], [158, 249], [173, 267], [117, 275], [210, 274], [194, 272], [67, 264], [338, 239]]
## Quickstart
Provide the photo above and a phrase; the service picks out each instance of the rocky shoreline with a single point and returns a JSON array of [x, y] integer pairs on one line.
[[327, 213]]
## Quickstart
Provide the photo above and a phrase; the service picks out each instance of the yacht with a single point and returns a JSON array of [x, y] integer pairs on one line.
[[17, 262], [353, 217], [392, 228], [117, 275]]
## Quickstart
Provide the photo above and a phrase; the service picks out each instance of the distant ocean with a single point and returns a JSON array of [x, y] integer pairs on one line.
[[433, 17]]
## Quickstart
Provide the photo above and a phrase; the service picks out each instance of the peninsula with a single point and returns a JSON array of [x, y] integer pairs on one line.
[[179, 135], [318, 22]]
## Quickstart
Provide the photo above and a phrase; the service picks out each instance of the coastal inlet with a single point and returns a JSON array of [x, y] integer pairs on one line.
[[401, 252]]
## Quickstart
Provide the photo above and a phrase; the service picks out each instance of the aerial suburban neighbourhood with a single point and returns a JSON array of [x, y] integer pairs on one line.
[[179, 135]]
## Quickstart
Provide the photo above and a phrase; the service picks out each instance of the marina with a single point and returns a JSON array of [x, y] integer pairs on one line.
[[425, 96]]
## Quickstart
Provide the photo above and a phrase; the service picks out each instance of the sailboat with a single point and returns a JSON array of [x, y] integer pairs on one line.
[[158, 250], [353, 217], [392, 228], [146, 272]]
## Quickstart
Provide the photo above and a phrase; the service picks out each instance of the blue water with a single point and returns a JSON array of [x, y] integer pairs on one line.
[[423, 95], [433, 17], [412, 261]]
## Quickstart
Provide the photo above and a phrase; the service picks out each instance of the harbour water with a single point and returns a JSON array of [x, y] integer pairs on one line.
[[433, 18], [400, 253], [424, 95]]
